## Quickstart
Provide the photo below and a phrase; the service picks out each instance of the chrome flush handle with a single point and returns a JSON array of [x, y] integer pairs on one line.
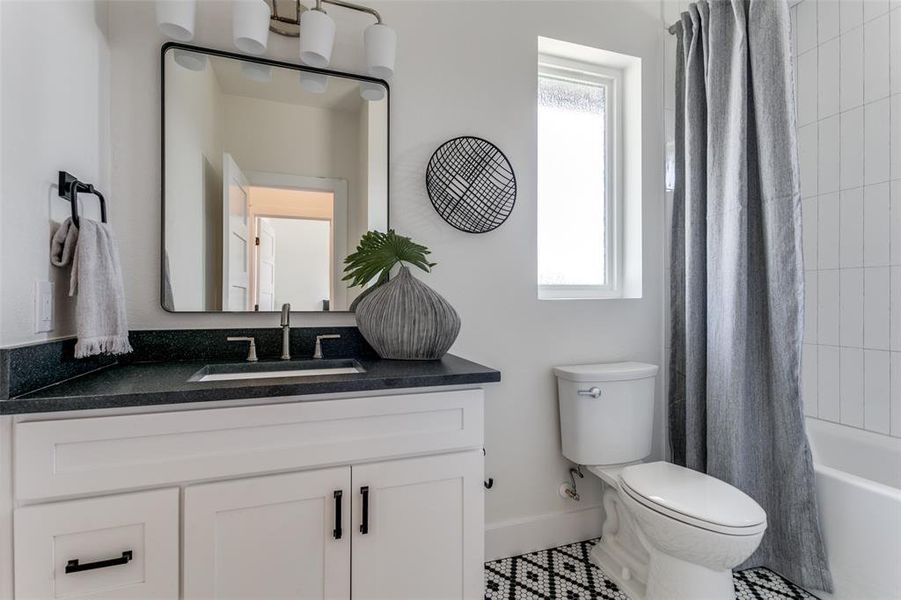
[[594, 392]]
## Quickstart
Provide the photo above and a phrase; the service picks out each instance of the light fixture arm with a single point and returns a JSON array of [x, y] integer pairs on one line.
[[351, 6]]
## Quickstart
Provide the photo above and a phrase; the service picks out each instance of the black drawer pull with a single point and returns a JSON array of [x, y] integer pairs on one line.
[[364, 524], [73, 567], [337, 531]]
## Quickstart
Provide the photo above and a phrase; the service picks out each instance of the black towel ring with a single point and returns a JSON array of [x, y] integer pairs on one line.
[[70, 187]]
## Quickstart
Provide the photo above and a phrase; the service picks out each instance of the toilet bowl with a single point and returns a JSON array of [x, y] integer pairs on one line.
[[670, 533], [696, 528]]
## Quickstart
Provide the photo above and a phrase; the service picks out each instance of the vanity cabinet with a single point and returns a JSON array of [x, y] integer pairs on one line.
[[411, 529], [362, 497], [418, 532], [282, 536], [123, 546]]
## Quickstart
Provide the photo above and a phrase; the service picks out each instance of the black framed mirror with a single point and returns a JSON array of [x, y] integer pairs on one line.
[[271, 172]]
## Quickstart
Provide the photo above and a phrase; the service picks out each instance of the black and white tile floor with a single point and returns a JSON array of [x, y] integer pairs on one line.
[[566, 573]]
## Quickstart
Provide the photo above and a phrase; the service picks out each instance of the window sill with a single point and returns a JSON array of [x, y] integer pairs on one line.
[[576, 292]]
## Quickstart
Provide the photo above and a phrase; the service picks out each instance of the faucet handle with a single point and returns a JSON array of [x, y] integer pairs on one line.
[[252, 351], [329, 336]]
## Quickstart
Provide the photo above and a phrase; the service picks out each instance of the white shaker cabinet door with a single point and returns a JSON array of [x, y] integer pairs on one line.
[[419, 528], [115, 547], [279, 536]]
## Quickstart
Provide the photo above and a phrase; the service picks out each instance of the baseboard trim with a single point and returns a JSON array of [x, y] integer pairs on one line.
[[528, 534]]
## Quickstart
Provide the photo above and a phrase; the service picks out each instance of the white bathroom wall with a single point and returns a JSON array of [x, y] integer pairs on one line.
[[54, 78], [308, 141], [196, 117], [304, 282], [462, 68], [848, 78]]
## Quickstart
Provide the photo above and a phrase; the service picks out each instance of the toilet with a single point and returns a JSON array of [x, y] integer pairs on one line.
[[669, 532]]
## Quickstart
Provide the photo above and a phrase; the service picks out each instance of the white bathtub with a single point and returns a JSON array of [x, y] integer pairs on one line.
[[858, 477]]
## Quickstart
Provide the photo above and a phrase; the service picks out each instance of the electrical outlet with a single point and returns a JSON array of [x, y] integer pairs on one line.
[[43, 306]]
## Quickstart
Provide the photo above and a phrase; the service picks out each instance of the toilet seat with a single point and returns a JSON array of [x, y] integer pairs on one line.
[[693, 498]]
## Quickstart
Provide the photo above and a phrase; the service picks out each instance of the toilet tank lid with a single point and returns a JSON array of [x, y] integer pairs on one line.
[[622, 371]]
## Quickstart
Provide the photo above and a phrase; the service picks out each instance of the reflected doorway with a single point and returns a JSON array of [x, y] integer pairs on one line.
[[293, 259]]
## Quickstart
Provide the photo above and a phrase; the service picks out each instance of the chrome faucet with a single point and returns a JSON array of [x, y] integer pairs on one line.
[[286, 331], [318, 351], [251, 351]]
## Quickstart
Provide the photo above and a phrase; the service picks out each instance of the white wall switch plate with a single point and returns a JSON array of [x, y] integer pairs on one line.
[[43, 306]]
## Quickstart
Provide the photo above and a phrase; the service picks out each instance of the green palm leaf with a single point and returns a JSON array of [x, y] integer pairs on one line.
[[377, 253]]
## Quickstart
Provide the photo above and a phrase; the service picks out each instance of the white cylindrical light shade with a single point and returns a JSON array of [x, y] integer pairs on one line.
[[380, 42], [315, 83], [191, 61], [175, 18], [250, 25], [256, 72], [371, 92], [317, 36]]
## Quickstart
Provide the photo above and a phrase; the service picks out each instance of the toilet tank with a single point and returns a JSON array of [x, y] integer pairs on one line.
[[606, 411]]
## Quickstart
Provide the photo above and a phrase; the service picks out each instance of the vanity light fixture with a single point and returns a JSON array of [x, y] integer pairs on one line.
[[315, 28], [256, 72], [175, 18], [191, 61], [315, 83], [371, 92], [380, 42], [317, 37], [250, 25]]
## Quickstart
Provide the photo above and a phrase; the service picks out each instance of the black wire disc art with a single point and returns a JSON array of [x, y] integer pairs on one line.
[[471, 184]]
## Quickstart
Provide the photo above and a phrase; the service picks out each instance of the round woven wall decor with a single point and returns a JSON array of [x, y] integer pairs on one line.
[[471, 184]]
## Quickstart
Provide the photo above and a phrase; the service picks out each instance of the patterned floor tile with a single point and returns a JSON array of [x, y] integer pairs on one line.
[[567, 573]]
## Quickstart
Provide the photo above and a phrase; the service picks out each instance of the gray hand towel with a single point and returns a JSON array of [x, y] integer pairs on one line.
[[96, 281]]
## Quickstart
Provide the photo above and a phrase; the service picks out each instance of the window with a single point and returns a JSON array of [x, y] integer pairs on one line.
[[579, 189]]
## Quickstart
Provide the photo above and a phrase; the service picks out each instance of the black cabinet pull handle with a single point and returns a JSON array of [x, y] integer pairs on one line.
[[337, 531], [364, 524], [74, 567]]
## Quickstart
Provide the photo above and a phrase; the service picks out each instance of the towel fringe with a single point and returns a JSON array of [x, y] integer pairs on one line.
[[116, 344]]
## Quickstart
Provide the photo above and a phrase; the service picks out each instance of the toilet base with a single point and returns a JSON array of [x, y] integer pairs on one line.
[[620, 554], [617, 572], [671, 578]]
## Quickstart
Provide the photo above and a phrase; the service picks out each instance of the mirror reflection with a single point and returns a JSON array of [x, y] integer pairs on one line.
[[272, 174]]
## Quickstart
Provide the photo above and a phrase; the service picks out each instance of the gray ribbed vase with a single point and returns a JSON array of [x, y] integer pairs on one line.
[[405, 319]]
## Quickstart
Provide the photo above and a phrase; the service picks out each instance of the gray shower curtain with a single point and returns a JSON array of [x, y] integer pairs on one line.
[[737, 289]]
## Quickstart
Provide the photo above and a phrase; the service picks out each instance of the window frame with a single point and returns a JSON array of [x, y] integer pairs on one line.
[[612, 80]]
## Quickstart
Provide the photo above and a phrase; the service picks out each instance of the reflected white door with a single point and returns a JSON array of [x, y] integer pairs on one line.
[[265, 265], [281, 536], [236, 232]]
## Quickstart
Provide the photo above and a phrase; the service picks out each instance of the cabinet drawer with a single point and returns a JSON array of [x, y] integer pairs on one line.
[[68, 457], [119, 547]]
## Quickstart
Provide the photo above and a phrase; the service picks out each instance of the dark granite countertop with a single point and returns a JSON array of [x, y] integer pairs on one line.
[[155, 383]]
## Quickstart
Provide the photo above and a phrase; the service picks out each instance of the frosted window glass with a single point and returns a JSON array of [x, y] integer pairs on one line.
[[572, 180]]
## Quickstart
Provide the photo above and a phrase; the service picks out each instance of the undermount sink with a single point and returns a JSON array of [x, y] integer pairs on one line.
[[277, 370]]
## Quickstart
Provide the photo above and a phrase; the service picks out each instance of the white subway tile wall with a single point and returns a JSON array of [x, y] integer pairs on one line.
[[827, 78], [850, 233], [828, 147], [848, 84], [851, 85]]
